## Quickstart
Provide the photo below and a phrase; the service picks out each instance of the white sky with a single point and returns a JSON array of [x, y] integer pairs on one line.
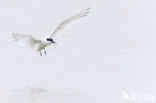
[[111, 50]]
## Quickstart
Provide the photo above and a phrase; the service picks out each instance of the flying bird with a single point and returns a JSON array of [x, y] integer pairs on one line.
[[41, 44]]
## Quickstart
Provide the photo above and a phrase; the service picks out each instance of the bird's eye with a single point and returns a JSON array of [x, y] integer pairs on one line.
[[48, 39]]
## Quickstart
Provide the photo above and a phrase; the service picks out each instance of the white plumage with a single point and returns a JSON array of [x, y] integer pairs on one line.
[[42, 44]]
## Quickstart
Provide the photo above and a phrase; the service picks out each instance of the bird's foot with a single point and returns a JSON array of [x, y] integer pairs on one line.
[[45, 51], [40, 53]]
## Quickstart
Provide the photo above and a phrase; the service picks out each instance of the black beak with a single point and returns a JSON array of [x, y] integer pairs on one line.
[[53, 42]]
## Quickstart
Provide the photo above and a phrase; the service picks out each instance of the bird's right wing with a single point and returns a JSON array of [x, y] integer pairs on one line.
[[69, 20], [29, 39]]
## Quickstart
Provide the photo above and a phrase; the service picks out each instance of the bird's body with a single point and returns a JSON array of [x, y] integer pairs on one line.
[[40, 45]]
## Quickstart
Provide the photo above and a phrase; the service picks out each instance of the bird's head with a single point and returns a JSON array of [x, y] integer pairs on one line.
[[51, 40]]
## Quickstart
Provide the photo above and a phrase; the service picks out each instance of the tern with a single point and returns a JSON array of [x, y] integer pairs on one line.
[[40, 44]]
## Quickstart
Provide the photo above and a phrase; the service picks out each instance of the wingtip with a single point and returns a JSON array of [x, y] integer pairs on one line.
[[88, 9], [86, 12], [14, 36]]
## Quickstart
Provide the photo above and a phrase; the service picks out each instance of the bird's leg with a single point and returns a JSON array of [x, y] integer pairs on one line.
[[40, 53], [45, 51]]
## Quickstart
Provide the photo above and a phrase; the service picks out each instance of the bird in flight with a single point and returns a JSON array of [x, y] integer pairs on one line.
[[41, 44]]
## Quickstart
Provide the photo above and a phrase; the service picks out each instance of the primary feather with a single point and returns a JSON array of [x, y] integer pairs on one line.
[[69, 20], [29, 39]]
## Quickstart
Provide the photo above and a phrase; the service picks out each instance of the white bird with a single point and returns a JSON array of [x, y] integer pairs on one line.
[[41, 44]]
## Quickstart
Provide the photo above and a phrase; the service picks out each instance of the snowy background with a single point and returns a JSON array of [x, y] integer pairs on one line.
[[110, 51]]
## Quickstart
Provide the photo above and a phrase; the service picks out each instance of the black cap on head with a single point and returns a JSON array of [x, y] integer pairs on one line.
[[51, 40]]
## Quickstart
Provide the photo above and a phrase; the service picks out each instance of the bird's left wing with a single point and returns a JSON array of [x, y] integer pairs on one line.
[[69, 20], [29, 39]]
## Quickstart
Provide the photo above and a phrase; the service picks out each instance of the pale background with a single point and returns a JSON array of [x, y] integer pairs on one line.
[[110, 51]]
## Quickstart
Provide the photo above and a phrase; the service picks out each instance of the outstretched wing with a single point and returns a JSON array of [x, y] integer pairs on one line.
[[29, 39], [69, 20]]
